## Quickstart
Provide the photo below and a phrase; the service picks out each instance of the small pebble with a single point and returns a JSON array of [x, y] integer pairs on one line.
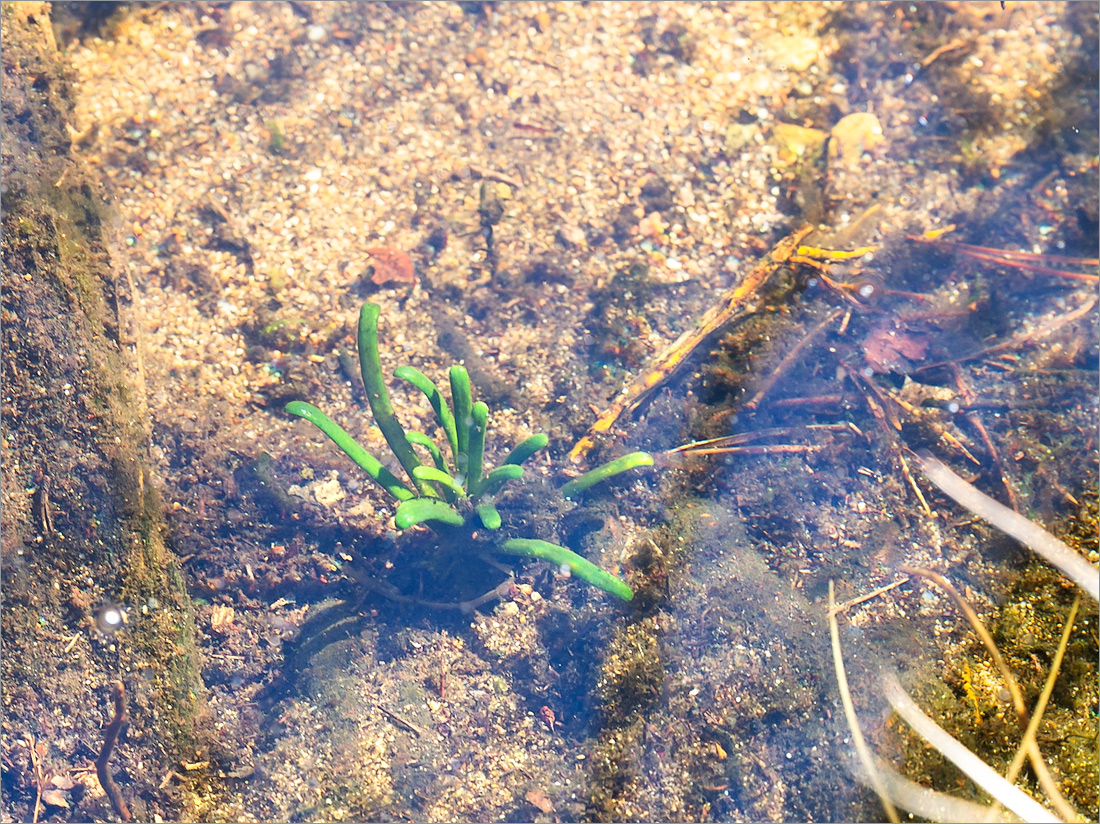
[[791, 52], [852, 136]]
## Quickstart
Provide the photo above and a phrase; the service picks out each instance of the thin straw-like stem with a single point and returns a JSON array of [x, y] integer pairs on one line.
[[1027, 745], [862, 750], [934, 805], [982, 633], [977, 770], [1041, 704], [1027, 532]]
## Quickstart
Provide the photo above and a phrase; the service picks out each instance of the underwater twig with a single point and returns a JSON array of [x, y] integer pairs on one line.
[[977, 770], [1018, 340], [39, 778], [1027, 532], [862, 750], [731, 305], [499, 592], [787, 361], [398, 721], [110, 738], [994, 453], [739, 443], [882, 590], [1016, 260]]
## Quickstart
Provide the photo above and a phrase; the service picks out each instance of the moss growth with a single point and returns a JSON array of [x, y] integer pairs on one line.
[[617, 321], [633, 671], [276, 142], [969, 699], [614, 772]]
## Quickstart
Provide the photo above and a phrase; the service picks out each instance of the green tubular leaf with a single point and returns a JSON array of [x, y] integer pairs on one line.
[[430, 473], [370, 464], [480, 415], [526, 449], [421, 510], [379, 399], [442, 411], [561, 556], [463, 401], [500, 476], [605, 471], [489, 516], [420, 439]]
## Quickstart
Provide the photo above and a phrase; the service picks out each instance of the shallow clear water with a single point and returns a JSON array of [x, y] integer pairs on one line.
[[574, 188]]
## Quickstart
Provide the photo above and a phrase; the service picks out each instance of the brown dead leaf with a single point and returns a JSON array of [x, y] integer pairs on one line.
[[538, 798], [62, 782], [55, 798], [890, 349], [391, 266], [221, 618]]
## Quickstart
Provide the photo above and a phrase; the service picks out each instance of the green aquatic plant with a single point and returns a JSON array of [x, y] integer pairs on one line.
[[456, 491]]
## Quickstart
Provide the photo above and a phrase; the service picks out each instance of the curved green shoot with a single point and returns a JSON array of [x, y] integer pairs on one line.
[[430, 473], [369, 464], [463, 401], [420, 510], [563, 557], [480, 417], [420, 439], [605, 471], [526, 448], [488, 515], [442, 411], [379, 399], [500, 476]]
